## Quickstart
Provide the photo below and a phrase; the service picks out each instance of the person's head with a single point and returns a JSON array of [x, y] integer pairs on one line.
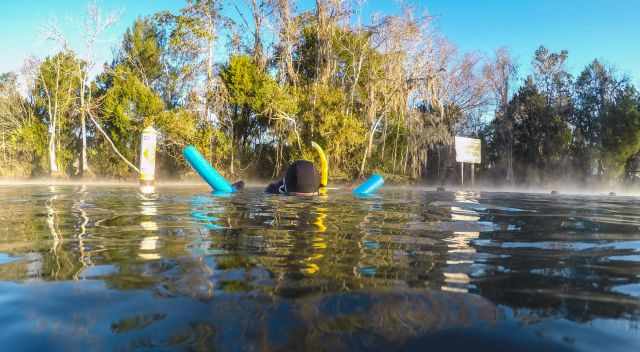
[[301, 178]]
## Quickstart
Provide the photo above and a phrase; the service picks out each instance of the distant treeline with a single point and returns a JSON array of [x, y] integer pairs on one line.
[[253, 92]]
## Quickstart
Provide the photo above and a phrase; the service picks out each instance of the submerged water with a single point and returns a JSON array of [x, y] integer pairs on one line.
[[107, 268]]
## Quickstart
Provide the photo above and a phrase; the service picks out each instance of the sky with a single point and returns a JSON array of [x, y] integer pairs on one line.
[[588, 29]]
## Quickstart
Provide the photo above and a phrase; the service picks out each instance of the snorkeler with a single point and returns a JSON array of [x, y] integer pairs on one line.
[[302, 178]]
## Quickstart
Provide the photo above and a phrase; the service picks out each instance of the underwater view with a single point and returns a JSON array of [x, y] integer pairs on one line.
[[110, 268]]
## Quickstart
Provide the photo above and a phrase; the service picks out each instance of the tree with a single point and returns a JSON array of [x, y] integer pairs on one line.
[[128, 106], [141, 52], [126, 99], [500, 73], [254, 101], [387, 96], [130, 96], [540, 136], [11, 114], [322, 119], [596, 88], [55, 91], [620, 132], [22, 136], [182, 69], [288, 31], [530, 136], [551, 77], [195, 34], [95, 25], [260, 10], [192, 37]]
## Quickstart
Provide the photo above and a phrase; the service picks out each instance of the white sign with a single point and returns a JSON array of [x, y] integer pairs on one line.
[[468, 150]]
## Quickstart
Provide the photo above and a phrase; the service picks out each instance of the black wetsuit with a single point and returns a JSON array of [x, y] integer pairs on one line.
[[275, 187], [301, 177]]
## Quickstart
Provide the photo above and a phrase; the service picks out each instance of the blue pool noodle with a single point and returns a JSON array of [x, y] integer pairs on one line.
[[370, 186], [206, 171]]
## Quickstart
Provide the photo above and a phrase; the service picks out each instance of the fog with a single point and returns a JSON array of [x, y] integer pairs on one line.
[[559, 188]]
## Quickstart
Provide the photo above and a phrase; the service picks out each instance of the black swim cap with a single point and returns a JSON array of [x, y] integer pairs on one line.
[[302, 177]]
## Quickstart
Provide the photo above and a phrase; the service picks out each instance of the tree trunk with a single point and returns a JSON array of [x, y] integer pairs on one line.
[[510, 176], [210, 60], [384, 140], [367, 151], [371, 113], [6, 154], [113, 146], [323, 69], [439, 166], [276, 164], [405, 160], [53, 166], [258, 50], [232, 161], [233, 145], [284, 10], [53, 161], [395, 147], [4, 150], [84, 163]]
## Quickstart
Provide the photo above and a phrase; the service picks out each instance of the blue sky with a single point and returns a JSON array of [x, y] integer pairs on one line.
[[23, 21], [588, 29]]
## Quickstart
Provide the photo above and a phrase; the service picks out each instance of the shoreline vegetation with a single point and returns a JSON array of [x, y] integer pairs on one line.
[[251, 90]]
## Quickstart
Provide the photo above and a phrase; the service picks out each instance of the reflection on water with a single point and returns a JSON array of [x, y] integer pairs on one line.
[[115, 268]]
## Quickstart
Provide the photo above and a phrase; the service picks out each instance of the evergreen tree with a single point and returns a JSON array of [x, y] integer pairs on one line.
[[541, 137], [596, 88], [620, 133]]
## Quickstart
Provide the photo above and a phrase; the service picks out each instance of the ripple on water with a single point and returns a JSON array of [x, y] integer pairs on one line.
[[5, 258], [625, 258], [185, 269], [629, 289]]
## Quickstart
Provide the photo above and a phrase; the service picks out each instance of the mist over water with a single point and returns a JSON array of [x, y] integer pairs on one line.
[[103, 266], [562, 188]]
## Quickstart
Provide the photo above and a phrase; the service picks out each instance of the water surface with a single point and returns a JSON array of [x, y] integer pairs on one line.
[[108, 268]]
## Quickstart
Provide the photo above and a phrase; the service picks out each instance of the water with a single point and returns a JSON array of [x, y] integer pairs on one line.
[[107, 268]]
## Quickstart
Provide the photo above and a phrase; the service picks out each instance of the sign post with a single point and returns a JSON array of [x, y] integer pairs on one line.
[[468, 150], [473, 174]]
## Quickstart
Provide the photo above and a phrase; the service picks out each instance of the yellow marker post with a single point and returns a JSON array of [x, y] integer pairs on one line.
[[148, 156]]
